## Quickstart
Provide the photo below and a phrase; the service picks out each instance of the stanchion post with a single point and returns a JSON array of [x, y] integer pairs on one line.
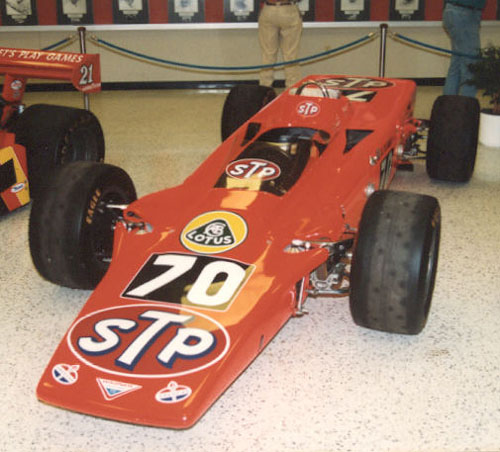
[[83, 49], [383, 43]]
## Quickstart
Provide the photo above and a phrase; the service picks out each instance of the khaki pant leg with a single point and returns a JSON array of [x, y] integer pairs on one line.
[[291, 32], [269, 41]]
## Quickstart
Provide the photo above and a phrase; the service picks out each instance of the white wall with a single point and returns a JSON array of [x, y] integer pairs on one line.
[[239, 47]]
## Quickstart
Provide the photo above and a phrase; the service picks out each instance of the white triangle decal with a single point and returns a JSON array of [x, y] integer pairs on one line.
[[113, 389]]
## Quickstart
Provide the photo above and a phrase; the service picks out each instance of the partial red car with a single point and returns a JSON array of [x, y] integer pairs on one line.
[[191, 283], [36, 139]]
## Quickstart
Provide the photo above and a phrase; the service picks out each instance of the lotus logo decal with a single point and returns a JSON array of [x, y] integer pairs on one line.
[[214, 232]]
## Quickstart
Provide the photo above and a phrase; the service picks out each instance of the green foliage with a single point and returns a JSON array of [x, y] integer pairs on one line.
[[486, 75]]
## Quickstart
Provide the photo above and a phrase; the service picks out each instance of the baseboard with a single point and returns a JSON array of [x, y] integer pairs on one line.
[[198, 85], [429, 81]]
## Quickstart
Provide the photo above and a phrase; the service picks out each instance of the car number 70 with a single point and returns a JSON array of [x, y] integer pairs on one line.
[[201, 280]]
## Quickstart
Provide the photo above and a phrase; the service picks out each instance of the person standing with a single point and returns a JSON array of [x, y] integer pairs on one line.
[[280, 26], [461, 20]]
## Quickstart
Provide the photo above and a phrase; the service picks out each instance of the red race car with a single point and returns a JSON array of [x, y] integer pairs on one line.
[[34, 140], [192, 282]]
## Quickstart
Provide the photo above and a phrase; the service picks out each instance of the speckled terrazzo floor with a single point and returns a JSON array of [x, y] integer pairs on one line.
[[323, 384]]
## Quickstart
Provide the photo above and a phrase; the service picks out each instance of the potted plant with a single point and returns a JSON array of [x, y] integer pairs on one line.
[[486, 76]]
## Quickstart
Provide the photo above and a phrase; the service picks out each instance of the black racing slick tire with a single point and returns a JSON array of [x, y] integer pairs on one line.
[[54, 135], [394, 262], [453, 137], [70, 230], [242, 102]]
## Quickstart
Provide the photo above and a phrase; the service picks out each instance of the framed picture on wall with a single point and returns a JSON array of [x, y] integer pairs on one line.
[[407, 10], [130, 12], [307, 9], [352, 10], [241, 10], [19, 12], [74, 12], [186, 11]]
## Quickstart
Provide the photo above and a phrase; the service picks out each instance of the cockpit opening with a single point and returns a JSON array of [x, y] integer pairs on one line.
[[275, 161]]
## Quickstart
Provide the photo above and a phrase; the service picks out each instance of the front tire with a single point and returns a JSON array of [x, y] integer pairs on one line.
[[453, 136], [394, 262], [55, 135], [70, 230]]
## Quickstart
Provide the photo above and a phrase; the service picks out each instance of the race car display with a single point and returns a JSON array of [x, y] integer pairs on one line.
[[36, 139], [193, 281]]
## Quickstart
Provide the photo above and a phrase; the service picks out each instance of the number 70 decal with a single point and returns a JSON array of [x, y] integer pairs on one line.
[[202, 281]]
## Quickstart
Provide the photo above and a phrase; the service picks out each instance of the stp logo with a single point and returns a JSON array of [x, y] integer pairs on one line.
[[308, 108], [253, 168], [148, 341]]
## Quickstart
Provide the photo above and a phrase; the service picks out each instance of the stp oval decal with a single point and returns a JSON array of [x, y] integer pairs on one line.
[[148, 341], [308, 108], [253, 169], [214, 232], [356, 83]]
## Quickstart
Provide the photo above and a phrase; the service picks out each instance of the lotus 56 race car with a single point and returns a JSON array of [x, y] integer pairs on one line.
[[193, 281], [34, 140]]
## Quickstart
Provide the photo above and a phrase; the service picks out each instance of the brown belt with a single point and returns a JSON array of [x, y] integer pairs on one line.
[[279, 3]]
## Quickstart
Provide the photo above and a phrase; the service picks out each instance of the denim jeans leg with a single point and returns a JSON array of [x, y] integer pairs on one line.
[[462, 24]]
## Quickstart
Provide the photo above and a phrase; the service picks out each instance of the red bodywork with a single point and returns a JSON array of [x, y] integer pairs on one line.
[[18, 65], [191, 300]]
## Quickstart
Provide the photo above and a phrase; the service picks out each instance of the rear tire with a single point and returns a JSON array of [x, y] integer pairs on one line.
[[70, 232], [394, 262], [55, 135], [242, 102], [453, 136]]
